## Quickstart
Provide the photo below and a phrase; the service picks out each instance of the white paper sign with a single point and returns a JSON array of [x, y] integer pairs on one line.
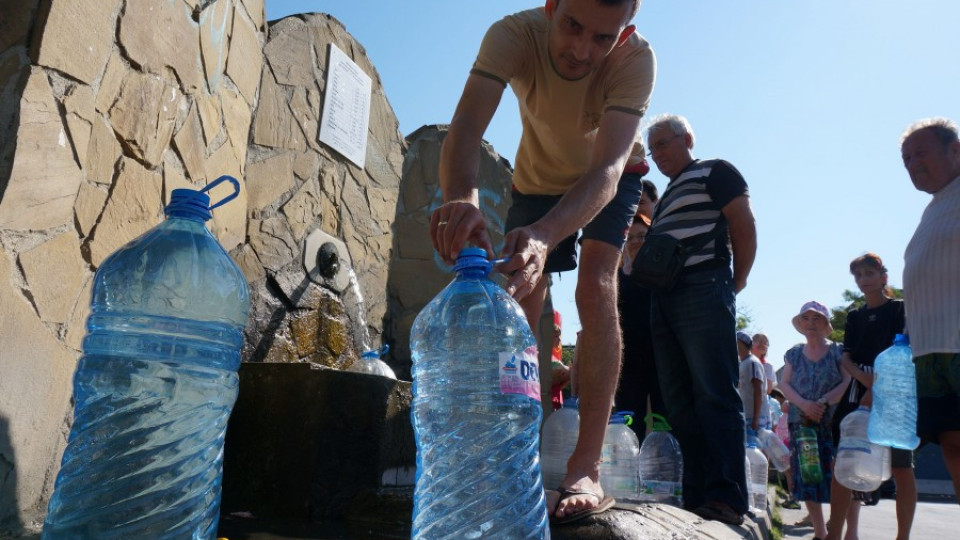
[[346, 107]]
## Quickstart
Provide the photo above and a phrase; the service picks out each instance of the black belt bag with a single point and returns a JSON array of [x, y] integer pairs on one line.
[[660, 260]]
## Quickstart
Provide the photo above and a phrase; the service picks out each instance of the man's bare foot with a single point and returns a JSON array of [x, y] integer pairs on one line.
[[589, 495]]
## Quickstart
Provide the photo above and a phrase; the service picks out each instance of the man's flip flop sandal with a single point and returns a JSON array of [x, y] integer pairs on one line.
[[605, 504]]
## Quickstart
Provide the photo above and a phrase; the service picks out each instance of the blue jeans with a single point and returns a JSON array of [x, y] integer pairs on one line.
[[694, 340]]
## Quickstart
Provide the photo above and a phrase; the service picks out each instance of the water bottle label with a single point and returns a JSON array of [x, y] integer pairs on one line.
[[855, 445], [655, 487], [520, 373], [625, 484]]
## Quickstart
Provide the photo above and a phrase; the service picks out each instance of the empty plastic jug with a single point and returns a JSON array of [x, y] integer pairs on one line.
[[757, 474], [777, 453], [155, 386], [476, 412], [620, 459], [661, 465], [370, 362], [775, 410], [893, 419], [559, 438], [860, 463]]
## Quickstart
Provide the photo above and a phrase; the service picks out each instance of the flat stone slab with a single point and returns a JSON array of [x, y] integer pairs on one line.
[[659, 522]]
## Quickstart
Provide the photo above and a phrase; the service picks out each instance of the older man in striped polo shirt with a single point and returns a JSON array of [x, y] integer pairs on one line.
[[693, 325]]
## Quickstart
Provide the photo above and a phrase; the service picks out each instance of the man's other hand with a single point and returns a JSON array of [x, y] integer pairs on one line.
[[527, 251]]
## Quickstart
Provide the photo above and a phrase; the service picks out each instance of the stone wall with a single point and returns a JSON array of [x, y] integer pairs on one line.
[[298, 185], [416, 272], [102, 114]]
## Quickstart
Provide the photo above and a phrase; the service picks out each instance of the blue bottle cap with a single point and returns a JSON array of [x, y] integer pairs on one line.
[[193, 204], [475, 258], [901, 339], [189, 203], [571, 403], [622, 417]]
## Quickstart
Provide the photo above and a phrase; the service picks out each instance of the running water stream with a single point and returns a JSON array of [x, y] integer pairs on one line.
[[361, 315]]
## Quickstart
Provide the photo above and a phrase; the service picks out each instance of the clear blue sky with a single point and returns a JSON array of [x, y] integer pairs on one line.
[[807, 99]]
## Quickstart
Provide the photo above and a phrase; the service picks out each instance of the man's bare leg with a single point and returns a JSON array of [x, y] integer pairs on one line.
[[950, 447], [840, 503], [598, 369], [906, 482]]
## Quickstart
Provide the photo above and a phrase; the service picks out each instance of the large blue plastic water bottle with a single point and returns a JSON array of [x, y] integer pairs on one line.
[[476, 412], [893, 419], [155, 386]]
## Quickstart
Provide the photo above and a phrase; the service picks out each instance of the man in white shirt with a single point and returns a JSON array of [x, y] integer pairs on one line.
[[931, 284]]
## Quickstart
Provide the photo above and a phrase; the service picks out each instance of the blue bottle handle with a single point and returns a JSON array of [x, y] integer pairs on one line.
[[228, 198]]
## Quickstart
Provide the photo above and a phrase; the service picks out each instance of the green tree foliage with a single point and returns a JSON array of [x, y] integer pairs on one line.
[[838, 318], [567, 357], [744, 316]]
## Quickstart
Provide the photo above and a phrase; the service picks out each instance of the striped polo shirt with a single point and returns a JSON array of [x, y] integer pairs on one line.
[[691, 208]]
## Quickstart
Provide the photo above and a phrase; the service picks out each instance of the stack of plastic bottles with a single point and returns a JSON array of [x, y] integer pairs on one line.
[[560, 433], [661, 465], [476, 412], [756, 473], [893, 419], [371, 363], [155, 386], [860, 464], [620, 461]]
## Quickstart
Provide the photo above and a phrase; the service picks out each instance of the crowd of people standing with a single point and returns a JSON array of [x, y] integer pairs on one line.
[[583, 78]]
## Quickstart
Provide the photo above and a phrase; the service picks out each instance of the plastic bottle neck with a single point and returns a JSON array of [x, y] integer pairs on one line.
[[188, 204], [472, 263]]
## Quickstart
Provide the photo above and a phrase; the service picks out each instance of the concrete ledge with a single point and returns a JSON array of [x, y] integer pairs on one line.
[[305, 442]]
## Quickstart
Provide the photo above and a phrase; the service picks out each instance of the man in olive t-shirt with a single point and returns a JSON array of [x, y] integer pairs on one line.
[[583, 80]]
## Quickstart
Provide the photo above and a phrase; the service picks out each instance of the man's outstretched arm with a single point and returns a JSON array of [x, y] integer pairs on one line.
[[459, 220], [529, 246]]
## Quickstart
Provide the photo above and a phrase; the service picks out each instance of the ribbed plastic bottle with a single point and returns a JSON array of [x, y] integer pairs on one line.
[[809, 454], [777, 453], [757, 474], [620, 459], [559, 438], [476, 412], [155, 385], [370, 363], [893, 419], [661, 465], [860, 463]]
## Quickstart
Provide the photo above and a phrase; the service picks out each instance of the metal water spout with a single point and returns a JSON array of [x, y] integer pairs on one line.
[[326, 261]]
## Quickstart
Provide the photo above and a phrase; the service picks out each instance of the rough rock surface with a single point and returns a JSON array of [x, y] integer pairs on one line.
[[416, 272], [99, 121]]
